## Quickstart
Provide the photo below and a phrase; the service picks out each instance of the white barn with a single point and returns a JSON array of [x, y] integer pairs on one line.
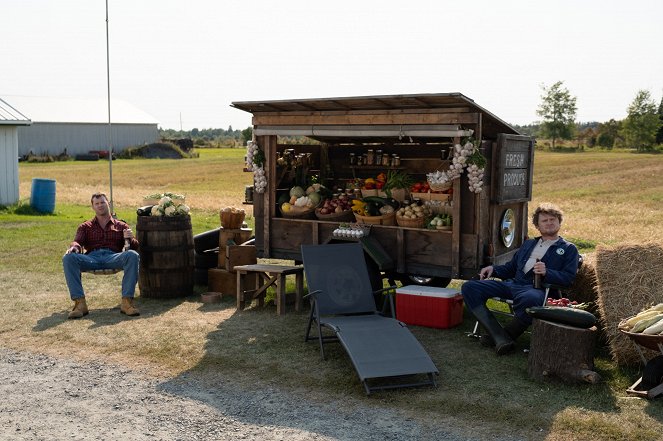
[[80, 125], [10, 120]]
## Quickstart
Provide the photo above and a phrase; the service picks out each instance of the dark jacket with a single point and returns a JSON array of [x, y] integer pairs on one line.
[[561, 261]]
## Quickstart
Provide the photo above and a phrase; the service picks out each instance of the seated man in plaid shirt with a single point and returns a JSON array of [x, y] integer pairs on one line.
[[102, 243]]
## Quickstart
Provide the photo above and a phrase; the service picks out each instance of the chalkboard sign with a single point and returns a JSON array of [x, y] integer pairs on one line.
[[513, 169]]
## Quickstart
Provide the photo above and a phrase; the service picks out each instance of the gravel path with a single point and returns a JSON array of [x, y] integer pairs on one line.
[[46, 398]]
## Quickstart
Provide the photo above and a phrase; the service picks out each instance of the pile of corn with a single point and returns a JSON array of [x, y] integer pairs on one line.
[[648, 321]]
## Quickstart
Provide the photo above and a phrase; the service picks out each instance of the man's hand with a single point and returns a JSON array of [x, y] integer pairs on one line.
[[73, 250], [486, 272], [539, 268], [128, 234]]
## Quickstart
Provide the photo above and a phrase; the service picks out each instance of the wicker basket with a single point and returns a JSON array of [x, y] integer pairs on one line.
[[440, 187], [419, 222], [299, 213], [385, 219], [232, 220], [343, 216]]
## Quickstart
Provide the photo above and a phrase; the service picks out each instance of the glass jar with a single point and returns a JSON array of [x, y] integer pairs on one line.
[[378, 157], [353, 159], [395, 161], [370, 157], [386, 160], [364, 159]]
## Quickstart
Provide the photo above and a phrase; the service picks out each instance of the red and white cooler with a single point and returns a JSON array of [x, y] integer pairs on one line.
[[429, 306]]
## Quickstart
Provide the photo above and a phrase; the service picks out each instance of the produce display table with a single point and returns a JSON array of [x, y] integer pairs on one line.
[[266, 276]]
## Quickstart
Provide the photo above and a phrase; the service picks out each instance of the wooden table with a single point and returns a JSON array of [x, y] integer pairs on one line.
[[266, 276]]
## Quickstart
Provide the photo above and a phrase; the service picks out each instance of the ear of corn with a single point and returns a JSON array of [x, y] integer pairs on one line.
[[645, 323], [630, 323], [654, 328]]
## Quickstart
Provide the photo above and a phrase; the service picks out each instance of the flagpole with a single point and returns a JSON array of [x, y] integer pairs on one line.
[[110, 134]]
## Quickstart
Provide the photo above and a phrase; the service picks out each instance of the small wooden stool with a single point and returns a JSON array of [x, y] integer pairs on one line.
[[268, 275]]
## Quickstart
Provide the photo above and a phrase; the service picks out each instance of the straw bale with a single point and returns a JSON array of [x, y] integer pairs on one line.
[[629, 280], [584, 288]]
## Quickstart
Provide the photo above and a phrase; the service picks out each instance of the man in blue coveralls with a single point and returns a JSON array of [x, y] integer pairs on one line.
[[549, 256]]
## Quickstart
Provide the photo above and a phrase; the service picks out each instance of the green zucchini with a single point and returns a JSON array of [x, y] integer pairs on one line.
[[567, 316]]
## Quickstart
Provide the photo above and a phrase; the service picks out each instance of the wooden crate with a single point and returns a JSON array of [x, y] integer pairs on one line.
[[236, 255], [233, 237], [225, 282]]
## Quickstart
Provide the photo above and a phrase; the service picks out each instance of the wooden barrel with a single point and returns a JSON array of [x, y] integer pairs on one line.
[[166, 256]]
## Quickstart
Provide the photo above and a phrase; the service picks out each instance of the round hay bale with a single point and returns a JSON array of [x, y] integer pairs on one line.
[[628, 277]]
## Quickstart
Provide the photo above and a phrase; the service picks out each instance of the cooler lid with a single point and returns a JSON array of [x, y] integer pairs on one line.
[[428, 291]]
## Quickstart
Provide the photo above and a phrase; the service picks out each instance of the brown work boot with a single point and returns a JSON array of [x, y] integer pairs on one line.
[[79, 309], [127, 307]]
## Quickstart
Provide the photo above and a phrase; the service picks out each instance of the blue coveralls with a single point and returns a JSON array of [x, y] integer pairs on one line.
[[561, 261]]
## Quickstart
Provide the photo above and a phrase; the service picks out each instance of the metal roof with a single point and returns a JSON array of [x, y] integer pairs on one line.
[[9, 116], [451, 101], [79, 110]]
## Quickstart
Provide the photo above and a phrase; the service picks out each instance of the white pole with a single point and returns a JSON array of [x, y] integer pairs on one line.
[[110, 134]]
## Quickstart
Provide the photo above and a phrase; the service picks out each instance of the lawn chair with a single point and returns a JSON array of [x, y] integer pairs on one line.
[[550, 289], [342, 301], [109, 271]]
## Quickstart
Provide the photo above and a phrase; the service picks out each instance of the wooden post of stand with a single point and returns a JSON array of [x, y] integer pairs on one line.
[[562, 351]]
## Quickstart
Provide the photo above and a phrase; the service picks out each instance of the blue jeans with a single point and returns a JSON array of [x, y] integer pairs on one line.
[[477, 292], [102, 258]]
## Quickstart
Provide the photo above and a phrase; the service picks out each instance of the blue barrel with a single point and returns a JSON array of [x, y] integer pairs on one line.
[[42, 196]]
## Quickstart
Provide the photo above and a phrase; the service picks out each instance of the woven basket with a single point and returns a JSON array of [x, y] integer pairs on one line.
[[419, 222], [385, 219], [440, 187], [343, 216], [232, 221], [299, 213]]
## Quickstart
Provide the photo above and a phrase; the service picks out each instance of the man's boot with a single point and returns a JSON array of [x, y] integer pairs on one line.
[[503, 342], [515, 328], [127, 307], [79, 310]]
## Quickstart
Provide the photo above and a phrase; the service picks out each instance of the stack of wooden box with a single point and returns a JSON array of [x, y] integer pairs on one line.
[[231, 254]]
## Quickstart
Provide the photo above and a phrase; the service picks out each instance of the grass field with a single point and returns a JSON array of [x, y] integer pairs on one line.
[[608, 198]]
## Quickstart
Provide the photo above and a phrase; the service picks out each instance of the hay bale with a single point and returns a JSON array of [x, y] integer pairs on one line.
[[629, 279], [584, 288]]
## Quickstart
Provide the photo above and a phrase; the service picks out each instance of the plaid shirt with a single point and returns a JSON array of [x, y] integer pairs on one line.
[[90, 236]]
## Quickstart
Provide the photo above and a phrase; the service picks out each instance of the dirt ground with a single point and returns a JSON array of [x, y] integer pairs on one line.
[[47, 398]]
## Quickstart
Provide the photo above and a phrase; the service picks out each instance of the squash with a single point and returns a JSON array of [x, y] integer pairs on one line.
[[567, 316]]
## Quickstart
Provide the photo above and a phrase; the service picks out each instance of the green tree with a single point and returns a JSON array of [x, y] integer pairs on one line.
[[608, 132], [247, 135], [640, 127], [558, 110], [659, 135]]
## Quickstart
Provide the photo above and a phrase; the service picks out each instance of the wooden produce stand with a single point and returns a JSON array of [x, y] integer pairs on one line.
[[421, 130]]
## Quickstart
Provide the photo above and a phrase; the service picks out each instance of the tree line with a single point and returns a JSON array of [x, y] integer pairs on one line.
[[210, 137], [642, 129]]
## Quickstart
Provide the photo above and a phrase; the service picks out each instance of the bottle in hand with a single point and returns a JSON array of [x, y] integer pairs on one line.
[[537, 279]]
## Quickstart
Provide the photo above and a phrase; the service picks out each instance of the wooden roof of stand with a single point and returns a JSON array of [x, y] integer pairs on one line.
[[315, 111]]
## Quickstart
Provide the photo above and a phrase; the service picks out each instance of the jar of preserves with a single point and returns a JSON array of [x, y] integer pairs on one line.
[[386, 160], [353, 159], [378, 157], [395, 161], [370, 157]]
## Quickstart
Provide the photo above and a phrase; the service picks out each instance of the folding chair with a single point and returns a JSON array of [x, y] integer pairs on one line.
[[342, 302], [109, 271]]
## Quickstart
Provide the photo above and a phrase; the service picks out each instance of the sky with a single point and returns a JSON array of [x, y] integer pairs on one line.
[[185, 62]]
